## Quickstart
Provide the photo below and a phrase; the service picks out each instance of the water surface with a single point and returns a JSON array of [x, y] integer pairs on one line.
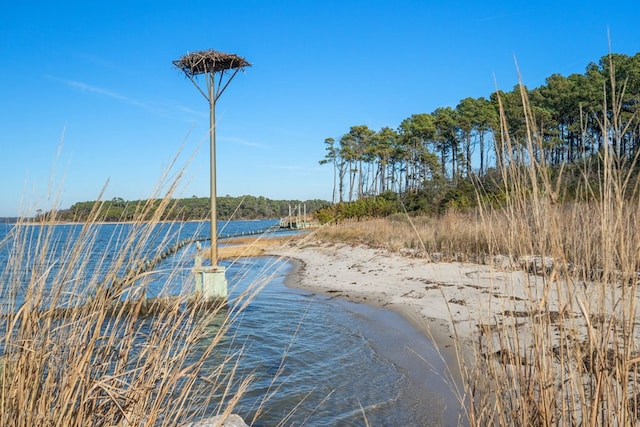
[[322, 361]]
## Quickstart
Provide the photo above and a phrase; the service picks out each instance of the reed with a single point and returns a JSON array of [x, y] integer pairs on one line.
[[73, 354], [574, 360], [454, 235]]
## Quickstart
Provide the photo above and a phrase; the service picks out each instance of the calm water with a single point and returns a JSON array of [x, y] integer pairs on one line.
[[332, 362]]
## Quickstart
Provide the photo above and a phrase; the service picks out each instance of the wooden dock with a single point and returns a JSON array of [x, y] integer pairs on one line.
[[298, 224], [298, 219]]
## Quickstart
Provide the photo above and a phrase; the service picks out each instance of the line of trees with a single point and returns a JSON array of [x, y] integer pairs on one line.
[[449, 144], [191, 209]]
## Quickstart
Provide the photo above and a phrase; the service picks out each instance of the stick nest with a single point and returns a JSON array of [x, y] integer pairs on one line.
[[209, 61]]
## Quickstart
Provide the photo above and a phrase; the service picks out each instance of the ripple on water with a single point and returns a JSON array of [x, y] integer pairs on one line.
[[321, 361], [331, 362]]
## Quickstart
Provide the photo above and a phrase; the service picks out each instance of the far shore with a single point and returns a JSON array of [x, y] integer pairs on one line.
[[33, 221]]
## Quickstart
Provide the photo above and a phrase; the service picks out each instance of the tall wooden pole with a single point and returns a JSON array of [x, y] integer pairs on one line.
[[212, 142]]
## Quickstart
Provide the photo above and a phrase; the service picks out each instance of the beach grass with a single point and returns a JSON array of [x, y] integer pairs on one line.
[[72, 354]]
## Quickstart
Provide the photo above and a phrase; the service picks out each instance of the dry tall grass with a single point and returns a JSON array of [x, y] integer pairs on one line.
[[571, 357], [74, 355]]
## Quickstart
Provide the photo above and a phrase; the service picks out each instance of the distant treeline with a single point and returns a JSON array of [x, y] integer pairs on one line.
[[189, 209]]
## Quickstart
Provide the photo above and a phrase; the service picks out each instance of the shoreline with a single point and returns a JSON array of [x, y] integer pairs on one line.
[[411, 287], [311, 272], [470, 311], [459, 306], [431, 328], [403, 349]]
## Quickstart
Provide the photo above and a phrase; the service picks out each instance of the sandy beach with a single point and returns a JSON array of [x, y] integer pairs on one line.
[[439, 298], [446, 300]]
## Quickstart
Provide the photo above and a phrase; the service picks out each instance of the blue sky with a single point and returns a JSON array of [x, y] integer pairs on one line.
[[89, 93]]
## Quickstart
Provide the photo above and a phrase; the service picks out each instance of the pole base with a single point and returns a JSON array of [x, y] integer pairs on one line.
[[211, 283]]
